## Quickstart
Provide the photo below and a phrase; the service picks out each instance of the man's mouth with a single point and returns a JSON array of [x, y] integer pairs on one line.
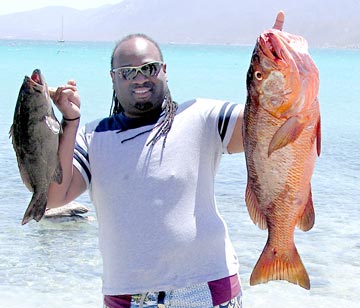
[[142, 92]]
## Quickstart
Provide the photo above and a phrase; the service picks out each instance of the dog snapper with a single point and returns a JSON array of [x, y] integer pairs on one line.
[[35, 137], [281, 132]]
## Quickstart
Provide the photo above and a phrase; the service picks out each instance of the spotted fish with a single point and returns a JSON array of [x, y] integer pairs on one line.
[[35, 137]]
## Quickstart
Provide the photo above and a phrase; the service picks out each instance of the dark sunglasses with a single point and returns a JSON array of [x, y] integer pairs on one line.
[[149, 69]]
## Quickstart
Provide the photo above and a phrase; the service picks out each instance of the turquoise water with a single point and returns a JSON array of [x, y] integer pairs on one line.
[[50, 264]]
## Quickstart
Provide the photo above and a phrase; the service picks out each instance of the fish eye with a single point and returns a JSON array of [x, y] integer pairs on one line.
[[258, 75]]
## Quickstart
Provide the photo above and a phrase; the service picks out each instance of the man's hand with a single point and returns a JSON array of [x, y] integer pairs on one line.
[[279, 22], [67, 99]]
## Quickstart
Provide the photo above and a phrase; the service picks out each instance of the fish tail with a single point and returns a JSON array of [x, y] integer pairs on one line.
[[272, 266], [36, 208]]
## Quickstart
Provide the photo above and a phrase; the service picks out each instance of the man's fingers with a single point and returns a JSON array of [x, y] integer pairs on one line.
[[66, 99], [279, 22], [56, 92], [72, 82]]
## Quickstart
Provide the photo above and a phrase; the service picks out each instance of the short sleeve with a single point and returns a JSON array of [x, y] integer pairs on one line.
[[81, 156], [227, 118]]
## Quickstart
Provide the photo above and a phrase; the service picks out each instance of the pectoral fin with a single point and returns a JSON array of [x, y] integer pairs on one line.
[[53, 124], [287, 133]]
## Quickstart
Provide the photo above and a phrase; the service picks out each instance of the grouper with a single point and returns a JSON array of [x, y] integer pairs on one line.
[[35, 137]]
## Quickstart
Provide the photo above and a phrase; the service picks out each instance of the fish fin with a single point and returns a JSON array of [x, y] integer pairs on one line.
[[307, 219], [58, 174], [11, 131], [317, 131], [318, 137], [36, 208], [79, 211], [24, 174], [68, 210], [53, 124], [25, 178], [252, 205], [287, 133], [271, 266]]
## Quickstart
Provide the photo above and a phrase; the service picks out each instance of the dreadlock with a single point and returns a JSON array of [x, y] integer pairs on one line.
[[169, 107], [115, 105]]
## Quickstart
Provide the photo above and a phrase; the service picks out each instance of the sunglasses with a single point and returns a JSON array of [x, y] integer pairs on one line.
[[150, 69]]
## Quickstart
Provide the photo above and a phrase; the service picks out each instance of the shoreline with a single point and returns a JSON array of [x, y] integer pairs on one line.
[[173, 43]]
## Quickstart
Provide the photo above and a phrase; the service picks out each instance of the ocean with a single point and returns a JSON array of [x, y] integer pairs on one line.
[[58, 265]]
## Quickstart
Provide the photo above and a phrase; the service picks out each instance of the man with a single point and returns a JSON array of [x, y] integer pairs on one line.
[[150, 170]]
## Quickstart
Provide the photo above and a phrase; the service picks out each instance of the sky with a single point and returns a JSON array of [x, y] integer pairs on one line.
[[13, 6]]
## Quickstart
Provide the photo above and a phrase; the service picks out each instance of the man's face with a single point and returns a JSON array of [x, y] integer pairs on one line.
[[142, 95]]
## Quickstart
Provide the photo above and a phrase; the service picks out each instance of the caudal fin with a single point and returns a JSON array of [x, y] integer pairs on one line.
[[272, 266], [36, 208]]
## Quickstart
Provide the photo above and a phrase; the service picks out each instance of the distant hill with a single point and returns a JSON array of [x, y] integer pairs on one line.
[[332, 23]]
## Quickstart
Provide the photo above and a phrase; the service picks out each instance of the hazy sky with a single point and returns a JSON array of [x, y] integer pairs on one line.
[[12, 6]]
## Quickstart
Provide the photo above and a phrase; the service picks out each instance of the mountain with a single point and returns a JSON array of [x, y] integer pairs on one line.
[[332, 23]]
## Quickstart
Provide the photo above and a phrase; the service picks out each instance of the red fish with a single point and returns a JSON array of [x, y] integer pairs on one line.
[[281, 132]]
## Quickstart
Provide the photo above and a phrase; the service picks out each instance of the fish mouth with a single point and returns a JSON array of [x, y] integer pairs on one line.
[[37, 77], [35, 82], [272, 45]]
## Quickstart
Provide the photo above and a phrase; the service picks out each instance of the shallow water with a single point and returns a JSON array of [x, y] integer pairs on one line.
[[51, 264]]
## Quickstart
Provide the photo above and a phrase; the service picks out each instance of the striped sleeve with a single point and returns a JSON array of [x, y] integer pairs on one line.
[[228, 115], [81, 156]]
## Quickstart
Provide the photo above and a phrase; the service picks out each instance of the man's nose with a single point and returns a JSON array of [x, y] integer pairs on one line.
[[140, 77]]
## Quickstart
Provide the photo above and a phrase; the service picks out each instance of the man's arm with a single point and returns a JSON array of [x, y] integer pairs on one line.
[[67, 100], [236, 141]]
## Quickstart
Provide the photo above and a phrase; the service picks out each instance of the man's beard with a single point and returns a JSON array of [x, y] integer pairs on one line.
[[144, 106], [158, 104]]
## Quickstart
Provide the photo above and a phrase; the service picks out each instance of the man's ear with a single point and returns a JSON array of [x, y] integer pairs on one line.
[[164, 70], [112, 75]]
